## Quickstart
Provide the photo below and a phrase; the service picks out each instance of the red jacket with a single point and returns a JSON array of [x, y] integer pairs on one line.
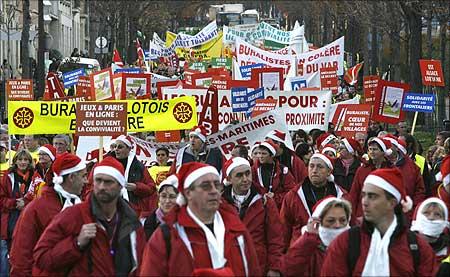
[[8, 201], [400, 258], [278, 189], [181, 263], [262, 219], [354, 195], [305, 257], [443, 195], [295, 212], [298, 168], [57, 251], [413, 180], [30, 226]]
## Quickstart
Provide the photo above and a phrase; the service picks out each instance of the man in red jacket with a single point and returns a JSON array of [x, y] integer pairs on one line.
[[443, 191], [40, 212], [200, 235], [258, 213], [299, 202], [385, 245], [99, 237]]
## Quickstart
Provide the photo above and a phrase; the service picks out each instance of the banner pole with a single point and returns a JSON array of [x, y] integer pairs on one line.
[[100, 149], [414, 123]]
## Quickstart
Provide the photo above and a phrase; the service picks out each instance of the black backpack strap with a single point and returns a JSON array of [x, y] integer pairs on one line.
[[414, 248], [354, 241], [166, 235]]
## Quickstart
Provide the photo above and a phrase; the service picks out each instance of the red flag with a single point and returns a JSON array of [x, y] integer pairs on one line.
[[351, 76], [140, 53], [116, 58]]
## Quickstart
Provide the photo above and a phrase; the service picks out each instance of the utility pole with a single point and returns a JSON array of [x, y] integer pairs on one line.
[[40, 70]]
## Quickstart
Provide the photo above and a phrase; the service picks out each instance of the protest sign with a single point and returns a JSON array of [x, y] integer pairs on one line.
[[246, 70], [208, 116], [70, 78], [302, 110], [350, 119], [132, 86], [249, 132], [101, 119], [83, 88], [44, 117], [263, 105], [168, 136], [370, 84], [199, 66], [239, 99], [297, 83], [158, 173], [268, 78], [388, 101], [333, 107], [134, 70], [418, 102], [329, 79], [102, 84], [252, 96], [221, 62], [19, 89], [431, 71], [55, 89], [221, 82]]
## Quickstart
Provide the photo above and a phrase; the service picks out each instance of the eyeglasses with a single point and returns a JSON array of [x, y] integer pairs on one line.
[[120, 146], [207, 186]]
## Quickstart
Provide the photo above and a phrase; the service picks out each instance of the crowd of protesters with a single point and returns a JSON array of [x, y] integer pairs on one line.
[[373, 205]]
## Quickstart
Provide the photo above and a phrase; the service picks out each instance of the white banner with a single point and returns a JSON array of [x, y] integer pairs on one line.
[[145, 151], [301, 109], [249, 132]]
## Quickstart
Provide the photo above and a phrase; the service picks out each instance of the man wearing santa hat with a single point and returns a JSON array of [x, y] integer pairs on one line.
[[197, 151], [70, 177], [347, 163], [201, 234], [43, 173], [386, 245], [299, 202], [139, 189], [259, 214], [287, 156], [100, 237], [378, 150], [271, 178]]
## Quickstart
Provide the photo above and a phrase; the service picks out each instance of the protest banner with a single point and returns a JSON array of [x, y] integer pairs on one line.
[[132, 86], [208, 33], [54, 88], [239, 101], [263, 105], [221, 82], [370, 84], [208, 116], [431, 71], [45, 117], [135, 70], [83, 88], [329, 79], [102, 85], [158, 173], [246, 70], [388, 101], [168, 136], [19, 89], [350, 119], [145, 151], [252, 96], [297, 83], [249, 132], [70, 78], [198, 66], [302, 110], [268, 78], [418, 102], [101, 119], [354, 101], [221, 62]]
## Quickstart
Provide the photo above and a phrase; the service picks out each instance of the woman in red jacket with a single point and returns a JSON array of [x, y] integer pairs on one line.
[[329, 219], [431, 221], [13, 188]]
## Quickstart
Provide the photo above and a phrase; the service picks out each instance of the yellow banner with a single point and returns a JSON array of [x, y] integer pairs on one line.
[[51, 117], [206, 51], [158, 173]]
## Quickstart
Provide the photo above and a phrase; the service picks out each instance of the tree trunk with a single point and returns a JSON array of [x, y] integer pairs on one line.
[[326, 27], [24, 40], [374, 51], [365, 49], [442, 113], [429, 38], [394, 58]]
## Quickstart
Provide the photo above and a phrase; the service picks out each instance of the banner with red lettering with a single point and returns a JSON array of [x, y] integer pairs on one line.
[[431, 71], [329, 79], [388, 101], [249, 132], [350, 119]]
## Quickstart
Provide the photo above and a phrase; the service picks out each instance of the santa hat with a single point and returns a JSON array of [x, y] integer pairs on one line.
[[352, 146], [444, 174], [64, 164], [277, 136], [324, 139], [200, 132], [385, 145], [399, 143], [126, 140], [111, 167], [49, 150], [271, 146], [188, 174], [171, 180], [329, 147], [327, 160], [322, 203], [254, 146], [419, 217], [232, 164], [391, 180]]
